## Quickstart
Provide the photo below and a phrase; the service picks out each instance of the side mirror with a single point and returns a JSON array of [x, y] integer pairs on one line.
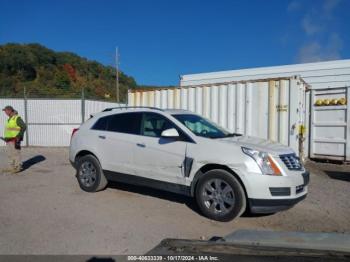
[[170, 133]]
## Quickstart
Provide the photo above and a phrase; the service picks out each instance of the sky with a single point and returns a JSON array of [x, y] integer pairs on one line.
[[159, 40]]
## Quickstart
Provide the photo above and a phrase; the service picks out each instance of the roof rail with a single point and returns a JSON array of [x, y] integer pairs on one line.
[[127, 107]]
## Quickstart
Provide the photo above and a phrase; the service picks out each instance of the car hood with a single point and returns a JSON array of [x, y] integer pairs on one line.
[[260, 144]]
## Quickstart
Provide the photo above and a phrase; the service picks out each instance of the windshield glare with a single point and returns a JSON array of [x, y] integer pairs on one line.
[[201, 126]]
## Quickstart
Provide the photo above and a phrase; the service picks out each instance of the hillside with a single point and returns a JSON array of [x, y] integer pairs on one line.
[[46, 73]]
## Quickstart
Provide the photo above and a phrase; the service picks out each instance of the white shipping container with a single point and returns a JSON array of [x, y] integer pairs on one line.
[[267, 108], [319, 75], [329, 130]]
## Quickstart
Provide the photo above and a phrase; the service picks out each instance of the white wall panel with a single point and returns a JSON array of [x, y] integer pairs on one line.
[[144, 98], [93, 106], [199, 101], [231, 112], [54, 111], [206, 101], [50, 135], [163, 99], [191, 99], [223, 105], [183, 98], [177, 98], [240, 112], [51, 121], [170, 98], [157, 97], [214, 103]]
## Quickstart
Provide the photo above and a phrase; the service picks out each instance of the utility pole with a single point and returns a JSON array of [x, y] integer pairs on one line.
[[117, 73]]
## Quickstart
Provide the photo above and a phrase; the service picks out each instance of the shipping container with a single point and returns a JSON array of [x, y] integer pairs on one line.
[[267, 108], [329, 131], [319, 75]]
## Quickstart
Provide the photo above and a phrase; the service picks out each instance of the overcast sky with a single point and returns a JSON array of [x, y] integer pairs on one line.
[[162, 39]]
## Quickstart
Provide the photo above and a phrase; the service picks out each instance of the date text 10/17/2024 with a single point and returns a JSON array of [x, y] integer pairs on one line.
[[173, 258]]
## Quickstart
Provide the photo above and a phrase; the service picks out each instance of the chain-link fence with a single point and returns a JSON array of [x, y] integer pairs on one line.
[[50, 120]]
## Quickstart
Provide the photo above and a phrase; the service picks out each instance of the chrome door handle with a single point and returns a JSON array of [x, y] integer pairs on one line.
[[141, 145], [102, 137]]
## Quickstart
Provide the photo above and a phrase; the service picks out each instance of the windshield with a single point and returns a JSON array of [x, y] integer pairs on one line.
[[202, 127]]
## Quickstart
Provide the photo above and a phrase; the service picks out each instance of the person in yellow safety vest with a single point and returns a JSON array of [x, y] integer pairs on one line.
[[13, 135]]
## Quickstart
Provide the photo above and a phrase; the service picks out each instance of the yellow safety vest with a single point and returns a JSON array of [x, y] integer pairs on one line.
[[11, 127]]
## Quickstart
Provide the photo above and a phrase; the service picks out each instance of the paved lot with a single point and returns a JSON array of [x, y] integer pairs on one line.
[[43, 211]]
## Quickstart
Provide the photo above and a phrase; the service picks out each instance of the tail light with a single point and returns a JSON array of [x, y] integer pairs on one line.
[[74, 131]]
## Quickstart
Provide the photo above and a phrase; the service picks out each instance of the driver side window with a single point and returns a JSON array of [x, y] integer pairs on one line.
[[154, 124], [199, 127]]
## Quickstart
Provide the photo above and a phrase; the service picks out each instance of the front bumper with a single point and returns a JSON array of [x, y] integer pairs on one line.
[[273, 205], [263, 206]]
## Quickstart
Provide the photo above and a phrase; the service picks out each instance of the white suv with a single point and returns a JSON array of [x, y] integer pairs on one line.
[[182, 152]]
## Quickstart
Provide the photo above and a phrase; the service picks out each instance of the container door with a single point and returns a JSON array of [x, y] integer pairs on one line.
[[329, 118]]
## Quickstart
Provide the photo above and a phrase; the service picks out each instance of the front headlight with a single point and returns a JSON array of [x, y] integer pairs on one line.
[[264, 161]]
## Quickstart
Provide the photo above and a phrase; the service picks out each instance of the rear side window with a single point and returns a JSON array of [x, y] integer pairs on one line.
[[101, 124], [128, 123]]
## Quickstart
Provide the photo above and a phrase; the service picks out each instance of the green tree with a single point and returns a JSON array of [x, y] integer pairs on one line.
[[57, 74], [62, 80]]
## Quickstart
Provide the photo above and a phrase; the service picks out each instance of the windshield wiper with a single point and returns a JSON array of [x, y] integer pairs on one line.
[[233, 135], [228, 135]]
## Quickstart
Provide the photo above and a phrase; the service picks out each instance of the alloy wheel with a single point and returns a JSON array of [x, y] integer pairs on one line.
[[218, 196], [87, 174]]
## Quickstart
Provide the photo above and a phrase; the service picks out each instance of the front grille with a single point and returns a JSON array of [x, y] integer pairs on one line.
[[280, 191], [291, 161]]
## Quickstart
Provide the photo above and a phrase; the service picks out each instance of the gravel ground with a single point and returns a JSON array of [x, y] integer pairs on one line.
[[43, 211]]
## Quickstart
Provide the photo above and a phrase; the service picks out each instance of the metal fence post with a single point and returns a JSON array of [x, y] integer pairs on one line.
[[82, 105], [26, 114]]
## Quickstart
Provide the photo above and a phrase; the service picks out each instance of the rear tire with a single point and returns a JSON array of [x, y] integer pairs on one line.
[[90, 174], [220, 195]]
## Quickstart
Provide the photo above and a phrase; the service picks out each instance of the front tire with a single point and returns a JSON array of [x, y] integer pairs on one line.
[[220, 195], [90, 174]]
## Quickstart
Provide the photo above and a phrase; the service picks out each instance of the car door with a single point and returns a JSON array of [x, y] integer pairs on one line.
[[156, 157], [117, 141]]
